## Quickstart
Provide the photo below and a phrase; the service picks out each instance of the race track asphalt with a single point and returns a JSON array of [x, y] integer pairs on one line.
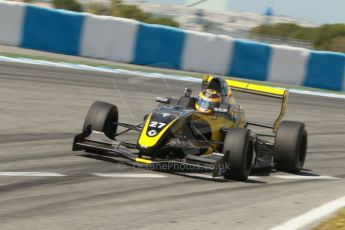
[[43, 107]]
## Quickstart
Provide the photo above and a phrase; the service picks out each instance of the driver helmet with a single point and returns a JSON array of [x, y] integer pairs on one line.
[[208, 100]]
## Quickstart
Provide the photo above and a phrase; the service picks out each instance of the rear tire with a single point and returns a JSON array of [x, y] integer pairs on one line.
[[290, 148], [238, 154], [101, 117]]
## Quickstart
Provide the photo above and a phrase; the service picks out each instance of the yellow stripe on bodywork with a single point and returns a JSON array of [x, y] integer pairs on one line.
[[237, 84], [245, 86], [144, 161], [256, 88], [146, 141]]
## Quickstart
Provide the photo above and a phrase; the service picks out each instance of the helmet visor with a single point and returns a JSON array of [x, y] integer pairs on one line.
[[206, 105]]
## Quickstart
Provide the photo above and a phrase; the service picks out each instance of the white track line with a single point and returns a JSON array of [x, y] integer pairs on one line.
[[31, 174], [297, 177], [312, 216], [128, 175], [151, 175], [143, 74], [254, 177]]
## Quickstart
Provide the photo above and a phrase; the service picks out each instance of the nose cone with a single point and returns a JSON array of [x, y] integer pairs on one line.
[[155, 128]]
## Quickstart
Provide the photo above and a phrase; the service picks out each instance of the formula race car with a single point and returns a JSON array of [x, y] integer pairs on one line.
[[208, 133]]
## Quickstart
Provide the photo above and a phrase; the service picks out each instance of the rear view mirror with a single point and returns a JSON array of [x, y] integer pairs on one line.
[[163, 100]]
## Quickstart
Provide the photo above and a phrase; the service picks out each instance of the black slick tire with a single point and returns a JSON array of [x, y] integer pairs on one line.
[[102, 117], [290, 148], [238, 154]]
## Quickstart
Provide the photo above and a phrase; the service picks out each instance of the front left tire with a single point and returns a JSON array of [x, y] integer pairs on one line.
[[102, 117], [238, 154]]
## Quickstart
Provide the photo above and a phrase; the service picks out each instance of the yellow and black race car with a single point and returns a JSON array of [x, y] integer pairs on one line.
[[208, 133]]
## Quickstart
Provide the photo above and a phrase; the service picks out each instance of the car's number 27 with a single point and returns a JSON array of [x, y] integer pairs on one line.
[[155, 124]]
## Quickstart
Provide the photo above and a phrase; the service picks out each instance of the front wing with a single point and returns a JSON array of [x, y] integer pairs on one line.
[[127, 153], [98, 143]]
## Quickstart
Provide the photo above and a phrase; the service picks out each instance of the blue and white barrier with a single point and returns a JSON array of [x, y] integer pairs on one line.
[[108, 38], [129, 41], [11, 23]]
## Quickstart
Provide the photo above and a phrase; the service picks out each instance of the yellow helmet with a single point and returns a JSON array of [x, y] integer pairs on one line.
[[208, 100]]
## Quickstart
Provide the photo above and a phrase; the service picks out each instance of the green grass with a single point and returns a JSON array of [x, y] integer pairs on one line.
[[156, 70], [336, 222]]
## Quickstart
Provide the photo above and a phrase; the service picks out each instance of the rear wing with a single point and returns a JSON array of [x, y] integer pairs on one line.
[[263, 91], [267, 91]]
